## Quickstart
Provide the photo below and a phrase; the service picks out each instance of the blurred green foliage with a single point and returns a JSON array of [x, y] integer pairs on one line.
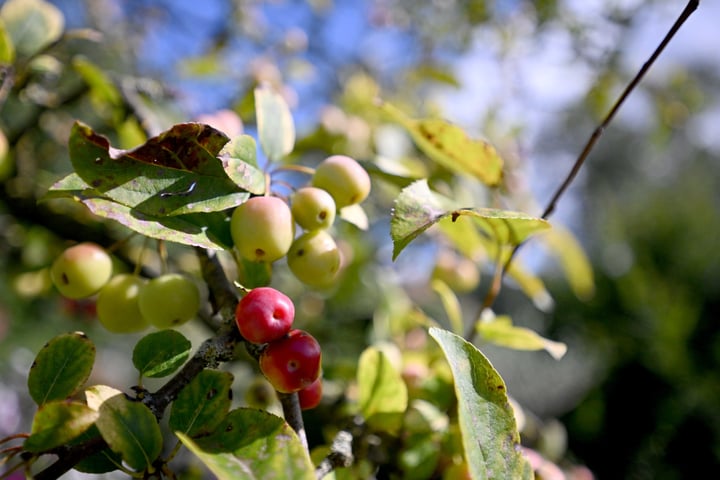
[[648, 200]]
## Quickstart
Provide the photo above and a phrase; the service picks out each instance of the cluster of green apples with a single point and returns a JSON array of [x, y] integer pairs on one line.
[[263, 228], [126, 302]]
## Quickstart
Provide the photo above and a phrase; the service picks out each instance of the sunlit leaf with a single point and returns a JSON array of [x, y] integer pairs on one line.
[[252, 444], [356, 215], [207, 230], [61, 367], [417, 208], [450, 303], [383, 396], [501, 331], [159, 354], [239, 157], [275, 125], [487, 423], [532, 286], [131, 430], [97, 394], [103, 89], [576, 265], [202, 404], [174, 173], [32, 24], [57, 423], [7, 49], [449, 146]]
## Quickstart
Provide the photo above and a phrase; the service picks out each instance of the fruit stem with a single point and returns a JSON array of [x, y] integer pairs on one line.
[[293, 415]]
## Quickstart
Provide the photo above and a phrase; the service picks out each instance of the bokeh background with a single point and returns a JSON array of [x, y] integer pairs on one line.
[[637, 396]]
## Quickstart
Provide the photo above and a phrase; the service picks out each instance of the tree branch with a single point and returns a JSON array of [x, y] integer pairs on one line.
[[691, 6]]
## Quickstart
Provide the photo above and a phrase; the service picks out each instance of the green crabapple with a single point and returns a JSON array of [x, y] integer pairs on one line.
[[314, 258], [117, 304], [169, 300], [264, 314], [313, 208], [292, 362], [81, 270], [344, 178], [262, 229]]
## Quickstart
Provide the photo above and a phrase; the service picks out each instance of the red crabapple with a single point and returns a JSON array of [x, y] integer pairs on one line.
[[310, 396], [292, 362], [264, 314]]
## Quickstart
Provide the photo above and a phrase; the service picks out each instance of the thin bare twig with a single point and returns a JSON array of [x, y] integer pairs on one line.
[[691, 6]]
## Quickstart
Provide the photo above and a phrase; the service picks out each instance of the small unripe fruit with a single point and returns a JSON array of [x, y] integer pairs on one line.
[[314, 258], [264, 314], [313, 208], [169, 300], [262, 229], [310, 396], [117, 304], [344, 178], [292, 362], [81, 270]]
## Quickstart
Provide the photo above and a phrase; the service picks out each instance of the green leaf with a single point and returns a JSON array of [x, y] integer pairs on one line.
[[32, 24], [417, 208], [202, 404], [276, 129], [61, 367], [7, 49], [161, 353], [102, 88], [239, 157], [101, 462], [174, 173], [451, 304], [57, 423], [131, 430], [575, 263], [356, 215], [487, 422], [500, 331], [383, 395], [207, 230], [252, 444], [504, 226], [97, 394], [449, 146]]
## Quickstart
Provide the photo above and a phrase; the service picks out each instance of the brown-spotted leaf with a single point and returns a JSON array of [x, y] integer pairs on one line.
[[449, 145], [174, 173]]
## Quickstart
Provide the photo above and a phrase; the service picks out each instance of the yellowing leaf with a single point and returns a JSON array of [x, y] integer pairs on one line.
[[383, 394], [449, 146], [501, 331], [575, 263]]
